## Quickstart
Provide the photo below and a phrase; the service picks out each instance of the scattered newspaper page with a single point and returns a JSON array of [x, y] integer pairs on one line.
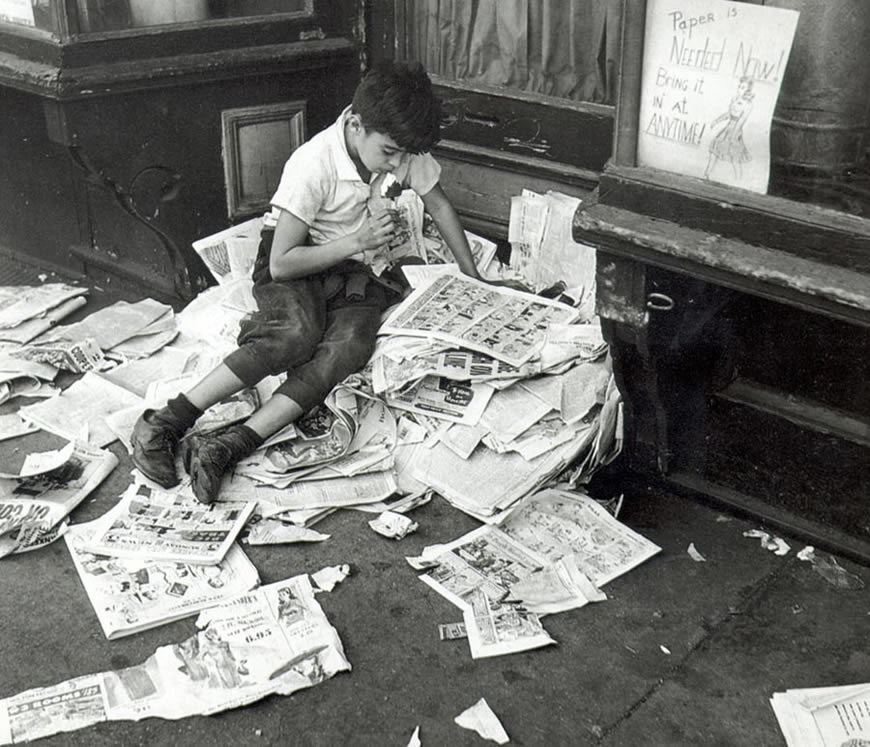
[[113, 324], [230, 254], [134, 594], [87, 401], [487, 482], [275, 532], [496, 628], [20, 303], [556, 522], [526, 226], [506, 324], [214, 315], [332, 493], [485, 559], [32, 328], [824, 716], [153, 523], [32, 506], [557, 587], [274, 640]]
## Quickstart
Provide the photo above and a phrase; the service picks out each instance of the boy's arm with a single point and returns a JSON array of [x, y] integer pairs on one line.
[[440, 208], [291, 257]]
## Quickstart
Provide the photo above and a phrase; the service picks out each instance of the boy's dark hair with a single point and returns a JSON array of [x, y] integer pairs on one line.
[[396, 99]]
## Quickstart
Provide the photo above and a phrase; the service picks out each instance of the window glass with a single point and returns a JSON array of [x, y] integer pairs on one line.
[[36, 14], [115, 15]]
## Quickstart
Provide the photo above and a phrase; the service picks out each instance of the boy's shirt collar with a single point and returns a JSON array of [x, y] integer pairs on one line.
[[345, 168]]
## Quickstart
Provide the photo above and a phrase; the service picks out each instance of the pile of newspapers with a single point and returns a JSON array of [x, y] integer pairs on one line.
[[477, 392]]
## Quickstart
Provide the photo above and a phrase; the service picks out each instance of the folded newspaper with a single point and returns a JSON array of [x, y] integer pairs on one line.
[[134, 594], [274, 640], [152, 523]]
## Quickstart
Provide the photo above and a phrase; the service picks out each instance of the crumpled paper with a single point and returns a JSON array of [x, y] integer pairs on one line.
[[481, 718], [327, 578]]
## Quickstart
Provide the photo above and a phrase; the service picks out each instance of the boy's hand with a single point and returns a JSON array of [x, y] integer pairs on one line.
[[377, 230]]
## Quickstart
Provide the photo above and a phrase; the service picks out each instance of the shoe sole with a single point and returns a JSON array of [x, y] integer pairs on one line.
[[193, 466]]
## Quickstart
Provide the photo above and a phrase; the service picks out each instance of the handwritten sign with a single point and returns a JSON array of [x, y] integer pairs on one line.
[[712, 71], [19, 12]]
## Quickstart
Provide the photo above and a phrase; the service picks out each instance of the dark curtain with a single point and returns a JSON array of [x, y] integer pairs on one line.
[[562, 48]]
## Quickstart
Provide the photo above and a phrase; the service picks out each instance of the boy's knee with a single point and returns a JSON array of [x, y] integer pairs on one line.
[[279, 344], [348, 355]]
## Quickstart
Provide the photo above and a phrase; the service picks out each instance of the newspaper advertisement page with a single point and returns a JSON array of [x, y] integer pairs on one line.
[[149, 522], [484, 559], [506, 324], [496, 628], [556, 522], [274, 640], [439, 397], [43, 711], [134, 594], [31, 507]]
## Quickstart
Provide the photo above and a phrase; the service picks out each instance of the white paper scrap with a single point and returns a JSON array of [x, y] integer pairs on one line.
[[480, 718], [776, 545], [327, 578], [393, 525], [415, 739], [694, 554], [275, 532]]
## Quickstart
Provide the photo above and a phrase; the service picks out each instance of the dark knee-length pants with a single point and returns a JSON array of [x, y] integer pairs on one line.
[[319, 329]]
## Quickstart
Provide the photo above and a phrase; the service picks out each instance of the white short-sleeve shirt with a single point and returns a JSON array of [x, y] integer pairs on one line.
[[321, 186]]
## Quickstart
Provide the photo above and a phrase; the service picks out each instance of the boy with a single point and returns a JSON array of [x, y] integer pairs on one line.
[[319, 306]]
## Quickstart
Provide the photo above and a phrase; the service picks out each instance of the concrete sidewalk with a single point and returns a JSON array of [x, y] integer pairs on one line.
[[681, 653]]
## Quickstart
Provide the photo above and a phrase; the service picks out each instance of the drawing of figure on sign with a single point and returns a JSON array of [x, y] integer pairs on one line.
[[728, 143]]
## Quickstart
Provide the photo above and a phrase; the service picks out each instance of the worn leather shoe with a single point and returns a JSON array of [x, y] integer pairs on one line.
[[208, 458], [155, 444]]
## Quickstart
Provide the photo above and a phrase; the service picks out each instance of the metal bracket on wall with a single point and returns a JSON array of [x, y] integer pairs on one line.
[[124, 198]]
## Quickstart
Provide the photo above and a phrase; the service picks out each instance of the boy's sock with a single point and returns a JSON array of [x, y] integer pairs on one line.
[[209, 458], [155, 439]]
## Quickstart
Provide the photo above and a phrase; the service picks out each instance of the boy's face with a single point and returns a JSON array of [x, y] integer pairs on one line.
[[377, 150]]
